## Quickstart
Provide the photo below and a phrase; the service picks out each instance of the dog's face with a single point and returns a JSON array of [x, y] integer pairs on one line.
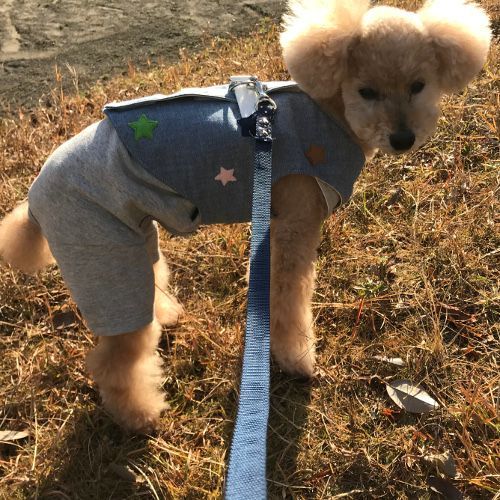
[[389, 67], [391, 89]]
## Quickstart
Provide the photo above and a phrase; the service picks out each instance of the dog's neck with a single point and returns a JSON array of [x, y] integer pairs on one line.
[[334, 106]]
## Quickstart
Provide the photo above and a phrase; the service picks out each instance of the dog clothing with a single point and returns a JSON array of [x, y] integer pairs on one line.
[[205, 158], [180, 160]]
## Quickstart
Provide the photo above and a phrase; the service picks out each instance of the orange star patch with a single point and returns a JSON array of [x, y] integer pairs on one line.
[[316, 155]]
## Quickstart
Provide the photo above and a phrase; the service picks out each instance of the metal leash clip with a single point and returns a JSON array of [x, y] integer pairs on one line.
[[256, 107]]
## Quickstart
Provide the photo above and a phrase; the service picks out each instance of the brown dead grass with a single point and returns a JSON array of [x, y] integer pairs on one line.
[[409, 269]]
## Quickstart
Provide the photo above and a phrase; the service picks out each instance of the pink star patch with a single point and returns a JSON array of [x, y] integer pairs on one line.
[[226, 176]]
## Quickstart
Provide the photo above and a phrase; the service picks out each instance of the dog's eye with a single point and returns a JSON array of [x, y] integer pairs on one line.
[[368, 93], [417, 87]]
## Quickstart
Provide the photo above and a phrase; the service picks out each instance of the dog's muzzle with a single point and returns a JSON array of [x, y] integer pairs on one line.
[[402, 140]]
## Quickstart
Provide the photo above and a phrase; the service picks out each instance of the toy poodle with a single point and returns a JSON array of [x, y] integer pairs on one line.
[[372, 78]]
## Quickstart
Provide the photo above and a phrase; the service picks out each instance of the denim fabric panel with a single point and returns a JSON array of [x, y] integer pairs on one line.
[[198, 134], [300, 124], [190, 145]]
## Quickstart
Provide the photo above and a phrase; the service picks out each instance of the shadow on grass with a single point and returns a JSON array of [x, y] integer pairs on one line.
[[287, 418], [90, 459], [89, 462], [290, 400]]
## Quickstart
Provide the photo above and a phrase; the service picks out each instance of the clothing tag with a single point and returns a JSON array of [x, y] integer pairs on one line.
[[247, 100], [246, 95]]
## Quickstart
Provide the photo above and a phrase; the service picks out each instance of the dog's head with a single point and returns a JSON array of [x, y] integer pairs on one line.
[[390, 66]]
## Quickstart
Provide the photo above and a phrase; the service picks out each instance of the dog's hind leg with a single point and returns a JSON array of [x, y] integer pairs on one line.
[[168, 310], [298, 209], [22, 244], [128, 372]]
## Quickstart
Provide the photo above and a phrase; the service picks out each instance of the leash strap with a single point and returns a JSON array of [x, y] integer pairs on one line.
[[246, 478]]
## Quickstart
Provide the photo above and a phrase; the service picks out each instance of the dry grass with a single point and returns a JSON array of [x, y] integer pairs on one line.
[[409, 268]]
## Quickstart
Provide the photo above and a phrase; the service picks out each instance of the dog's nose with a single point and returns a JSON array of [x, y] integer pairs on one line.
[[402, 139]]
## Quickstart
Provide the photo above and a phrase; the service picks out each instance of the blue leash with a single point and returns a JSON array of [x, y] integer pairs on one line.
[[246, 478]]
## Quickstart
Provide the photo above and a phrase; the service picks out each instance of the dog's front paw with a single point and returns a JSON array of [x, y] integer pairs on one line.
[[296, 359], [168, 309]]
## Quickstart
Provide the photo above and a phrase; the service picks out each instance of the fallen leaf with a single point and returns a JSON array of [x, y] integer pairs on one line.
[[410, 397], [444, 462], [389, 413], [393, 361], [417, 435], [8, 436], [445, 488]]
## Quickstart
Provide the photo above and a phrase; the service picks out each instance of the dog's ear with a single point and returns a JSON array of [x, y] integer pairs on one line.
[[460, 33], [316, 40]]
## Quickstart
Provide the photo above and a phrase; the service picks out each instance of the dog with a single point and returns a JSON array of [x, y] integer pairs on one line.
[[378, 73]]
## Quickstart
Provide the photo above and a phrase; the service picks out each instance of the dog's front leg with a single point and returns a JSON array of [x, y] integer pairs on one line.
[[298, 209]]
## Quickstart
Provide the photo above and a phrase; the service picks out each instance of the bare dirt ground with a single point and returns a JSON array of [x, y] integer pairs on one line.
[[96, 39]]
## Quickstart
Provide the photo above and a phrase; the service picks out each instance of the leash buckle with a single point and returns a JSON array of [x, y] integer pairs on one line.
[[263, 123]]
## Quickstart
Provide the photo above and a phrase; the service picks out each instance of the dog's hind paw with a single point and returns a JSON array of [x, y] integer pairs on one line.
[[137, 413], [140, 423], [168, 309]]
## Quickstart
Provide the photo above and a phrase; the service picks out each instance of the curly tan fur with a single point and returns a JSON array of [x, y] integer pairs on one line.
[[335, 48], [168, 310], [127, 370], [21, 242], [299, 210]]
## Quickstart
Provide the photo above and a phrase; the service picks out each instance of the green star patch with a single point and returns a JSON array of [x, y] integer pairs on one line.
[[143, 127]]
